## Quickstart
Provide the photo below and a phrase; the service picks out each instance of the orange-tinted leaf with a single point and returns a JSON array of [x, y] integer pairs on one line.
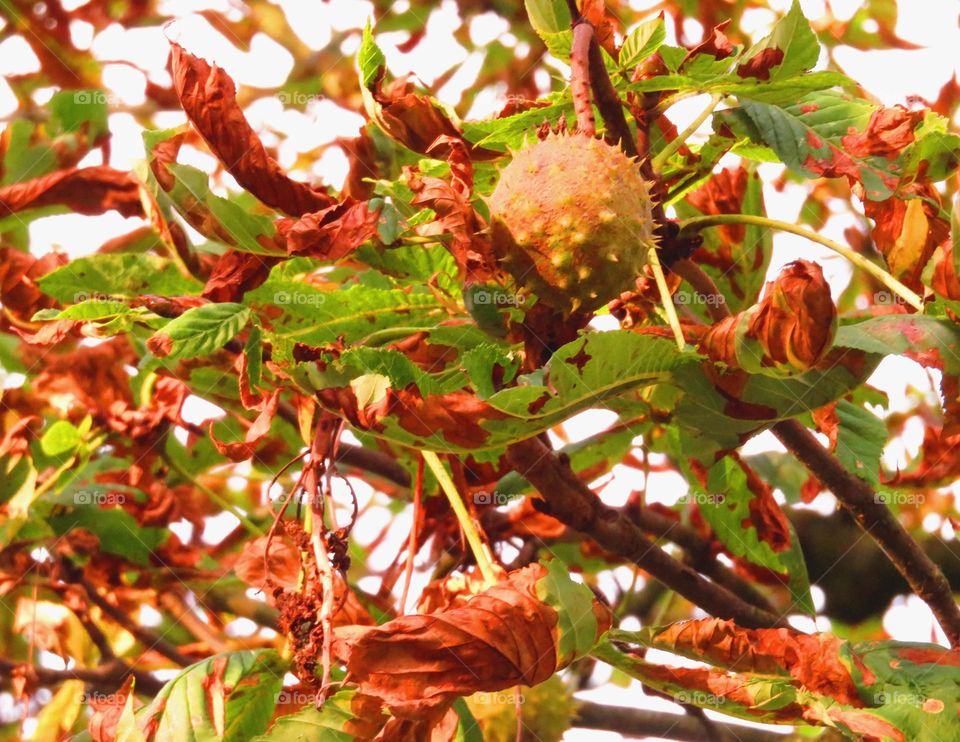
[[888, 132], [243, 450], [796, 319], [107, 710], [908, 229], [87, 190], [333, 232], [235, 273], [283, 564], [209, 98], [811, 659], [500, 638]]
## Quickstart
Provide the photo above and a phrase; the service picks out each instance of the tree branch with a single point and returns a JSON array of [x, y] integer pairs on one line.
[[608, 101], [142, 634], [570, 501], [922, 574], [647, 723], [108, 676], [580, 77], [925, 578]]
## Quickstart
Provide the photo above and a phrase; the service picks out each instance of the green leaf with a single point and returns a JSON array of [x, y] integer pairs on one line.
[[229, 697], [714, 422], [253, 351], [935, 151], [311, 724], [548, 16], [92, 309], [370, 58], [861, 438], [316, 317], [60, 438], [898, 333], [202, 330], [806, 135], [791, 36], [573, 603], [219, 219], [117, 274], [726, 504], [481, 362], [510, 132], [118, 531], [643, 41], [468, 729]]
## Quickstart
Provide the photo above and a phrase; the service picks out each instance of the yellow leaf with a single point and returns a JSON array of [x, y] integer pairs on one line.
[[59, 716], [908, 249]]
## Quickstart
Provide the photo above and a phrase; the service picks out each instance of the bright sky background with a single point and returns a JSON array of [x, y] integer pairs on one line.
[[891, 76]]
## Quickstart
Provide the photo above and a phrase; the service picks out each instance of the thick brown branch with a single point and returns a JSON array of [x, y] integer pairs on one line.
[[570, 501], [580, 78], [608, 101], [922, 574], [925, 578], [106, 677], [646, 723]]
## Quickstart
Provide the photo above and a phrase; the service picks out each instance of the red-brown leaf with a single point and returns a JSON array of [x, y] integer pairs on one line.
[[333, 232], [811, 659], [888, 132], [209, 98], [502, 637], [87, 190], [243, 450]]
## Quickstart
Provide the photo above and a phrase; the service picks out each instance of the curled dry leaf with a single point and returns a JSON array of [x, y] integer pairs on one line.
[[209, 98], [502, 637], [243, 450], [790, 329], [87, 190], [334, 232]]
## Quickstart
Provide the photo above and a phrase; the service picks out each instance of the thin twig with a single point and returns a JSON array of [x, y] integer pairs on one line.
[[680, 140], [108, 676], [141, 633], [414, 532], [701, 222], [646, 723]]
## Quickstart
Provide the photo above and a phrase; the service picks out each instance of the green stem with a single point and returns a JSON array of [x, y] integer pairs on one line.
[[479, 549], [671, 311], [701, 222], [674, 146], [216, 498]]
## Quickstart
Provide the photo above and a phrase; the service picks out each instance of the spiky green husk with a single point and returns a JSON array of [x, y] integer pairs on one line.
[[571, 221]]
